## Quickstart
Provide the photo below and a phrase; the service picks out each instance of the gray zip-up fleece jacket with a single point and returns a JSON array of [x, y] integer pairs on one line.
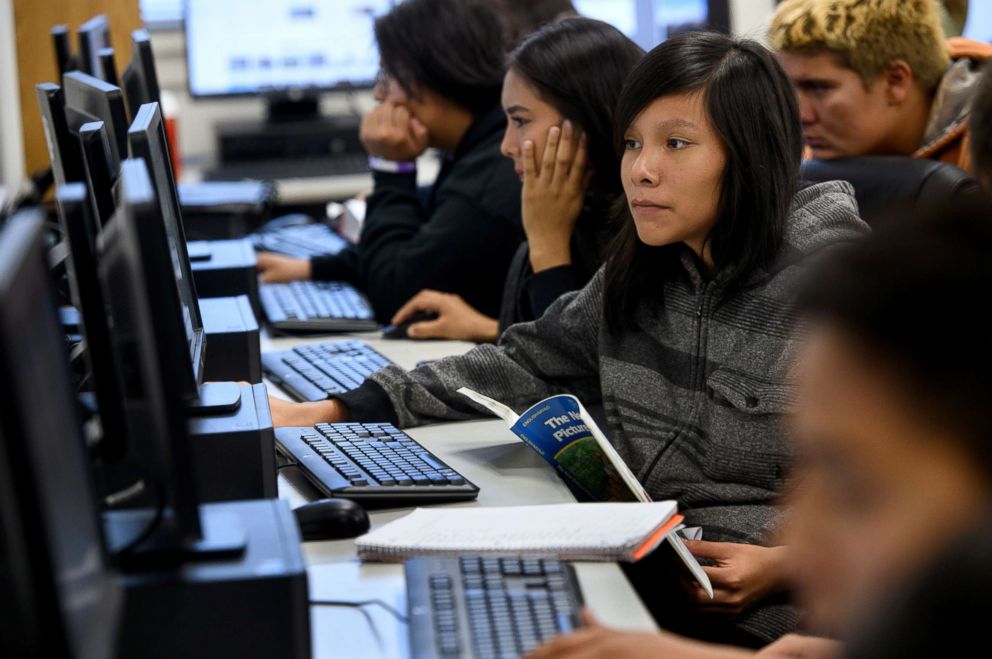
[[693, 400]]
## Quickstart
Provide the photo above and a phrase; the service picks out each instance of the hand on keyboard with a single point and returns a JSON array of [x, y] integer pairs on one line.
[[287, 413], [277, 269], [596, 642]]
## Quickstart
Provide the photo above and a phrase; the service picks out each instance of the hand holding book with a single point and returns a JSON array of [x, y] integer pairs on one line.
[[562, 431]]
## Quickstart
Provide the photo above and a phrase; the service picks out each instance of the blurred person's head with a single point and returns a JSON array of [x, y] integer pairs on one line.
[[710, 143], [865, 71], [440, 57], [522, 17], [980, 130], [573, 70], [894, 424]]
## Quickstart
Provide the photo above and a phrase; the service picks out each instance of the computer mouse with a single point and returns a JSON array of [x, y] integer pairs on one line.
[[400, 331], [331, 519]]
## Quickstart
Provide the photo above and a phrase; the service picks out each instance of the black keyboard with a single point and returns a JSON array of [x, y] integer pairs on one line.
[[302, 241], [373, 463], [316, 371], [316, 306], [298, 167], [488, 607]]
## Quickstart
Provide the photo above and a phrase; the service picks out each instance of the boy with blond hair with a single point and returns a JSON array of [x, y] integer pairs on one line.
[[878, 77]]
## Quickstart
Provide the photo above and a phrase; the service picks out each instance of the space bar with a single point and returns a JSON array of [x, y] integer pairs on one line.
[[431, 460]]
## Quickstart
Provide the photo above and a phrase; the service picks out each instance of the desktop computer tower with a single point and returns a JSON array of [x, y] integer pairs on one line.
[[252, 603], [225, 268], [234, 455], [234, 353]]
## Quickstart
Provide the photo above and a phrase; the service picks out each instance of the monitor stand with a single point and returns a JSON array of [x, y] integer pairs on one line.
[[216, 398], [296, 107], [223, 538]]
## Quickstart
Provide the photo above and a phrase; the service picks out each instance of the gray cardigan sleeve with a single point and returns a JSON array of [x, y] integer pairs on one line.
[[557, 353]]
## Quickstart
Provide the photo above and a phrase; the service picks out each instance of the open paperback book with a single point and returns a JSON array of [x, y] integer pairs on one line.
[[562, 431]]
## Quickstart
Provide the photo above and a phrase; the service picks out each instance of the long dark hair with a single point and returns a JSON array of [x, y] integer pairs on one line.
[[753, 109], [452, 47], [578, 65]]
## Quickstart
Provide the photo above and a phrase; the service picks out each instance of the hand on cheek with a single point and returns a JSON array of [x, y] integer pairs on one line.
[[389, 131], [553, 193]]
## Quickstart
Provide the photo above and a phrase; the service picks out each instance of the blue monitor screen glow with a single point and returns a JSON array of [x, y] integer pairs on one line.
[[979, 25], [241, 47], [648, 22]]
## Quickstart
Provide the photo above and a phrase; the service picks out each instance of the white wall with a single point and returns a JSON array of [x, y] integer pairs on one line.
[[11, 140], [750, 18]]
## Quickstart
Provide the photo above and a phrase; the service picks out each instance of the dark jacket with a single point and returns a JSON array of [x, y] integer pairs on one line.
[[946, 138], [460, 241], [526, 296], [693, 398]]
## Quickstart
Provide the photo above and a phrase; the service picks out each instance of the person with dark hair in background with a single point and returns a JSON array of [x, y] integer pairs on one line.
[[522, 17], [889, 533], [442, 71], [686, 333], [980, 127], [559, 93]]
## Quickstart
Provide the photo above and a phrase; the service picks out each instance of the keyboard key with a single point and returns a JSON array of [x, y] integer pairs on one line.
[[431, 460]]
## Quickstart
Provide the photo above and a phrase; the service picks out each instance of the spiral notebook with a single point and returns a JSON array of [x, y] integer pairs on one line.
[[569, 531]]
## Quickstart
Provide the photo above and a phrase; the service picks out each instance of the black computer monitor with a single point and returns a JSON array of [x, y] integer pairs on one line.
[[64, 59], [280, 48], [87, 99], [59, 598], [80, 228], [147, 141], [133, 253], [101, 168], [140, 81], [63, 147], [108, 66], [93, 35]]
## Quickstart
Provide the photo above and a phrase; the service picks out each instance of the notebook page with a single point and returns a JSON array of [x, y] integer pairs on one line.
[[594, 529]]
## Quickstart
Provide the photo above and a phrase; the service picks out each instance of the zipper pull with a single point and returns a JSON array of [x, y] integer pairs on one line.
[[702, 300]]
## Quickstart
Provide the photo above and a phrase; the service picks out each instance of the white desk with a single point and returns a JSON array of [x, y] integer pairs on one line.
[[322, 189], [507, 472]]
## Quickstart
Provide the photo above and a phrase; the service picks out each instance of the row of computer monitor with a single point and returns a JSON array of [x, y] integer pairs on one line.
[[95, 57], [60, 597], [143, 351], [132, 253], [55, 561]]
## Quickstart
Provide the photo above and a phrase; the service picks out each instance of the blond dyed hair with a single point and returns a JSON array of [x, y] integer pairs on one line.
[[868, 35]]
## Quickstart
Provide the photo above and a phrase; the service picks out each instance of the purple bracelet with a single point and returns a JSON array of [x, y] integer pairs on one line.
[[377, 164]]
